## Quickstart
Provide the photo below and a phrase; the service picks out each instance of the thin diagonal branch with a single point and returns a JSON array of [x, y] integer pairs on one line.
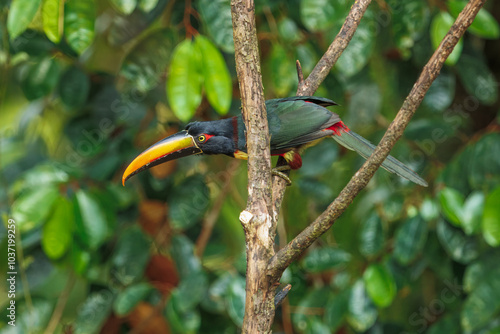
[[431, 70]]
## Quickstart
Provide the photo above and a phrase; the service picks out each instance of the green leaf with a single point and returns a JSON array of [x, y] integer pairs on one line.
[[371, 237], [32, 318], [235, 300], [452, 202], [491, 219], [94, 312], [336, 310], [42, 175], [131, 255], [185, 80], [441, 93], [125, 6], [188, 322], [409, 20], [34, 206], [440, 25], [359, 50], [148, 61], [147, 5], [188, 202], [484, 24], [322, 14], [282, 69], [128, 299], [218, 84], [183, 254], [447, 324], [472, 212], [21, 13], [74, 87], [79, 17], [410, 239], [91, 225], [483, 302], [52, 11], [216, 15], [478, 79], [461, 248], [429, 210], [483, 166], [362, 314], [326, 258], [289, 31], [380, 285], [58, 231], [40, 78], [481, 268], [215, 299], [301, 318]]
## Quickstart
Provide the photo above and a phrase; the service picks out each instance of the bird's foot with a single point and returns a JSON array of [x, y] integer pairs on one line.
[[278, 171]]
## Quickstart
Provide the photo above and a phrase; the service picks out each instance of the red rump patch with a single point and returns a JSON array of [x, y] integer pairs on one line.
[[293, 158], [338, 128]]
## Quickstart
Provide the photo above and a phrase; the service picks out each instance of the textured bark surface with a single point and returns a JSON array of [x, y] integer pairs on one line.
[[256, 219], [430, 72]]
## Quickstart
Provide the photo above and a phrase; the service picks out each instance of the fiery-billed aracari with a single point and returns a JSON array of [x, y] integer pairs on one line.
[[293, 122]]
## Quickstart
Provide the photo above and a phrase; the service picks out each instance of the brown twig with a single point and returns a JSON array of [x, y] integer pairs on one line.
[[61, 304], [431, 70]]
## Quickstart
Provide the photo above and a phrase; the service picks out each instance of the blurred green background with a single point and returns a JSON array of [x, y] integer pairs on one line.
[[87, 85]]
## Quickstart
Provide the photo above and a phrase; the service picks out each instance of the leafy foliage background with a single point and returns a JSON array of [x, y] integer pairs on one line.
[[87, 85]]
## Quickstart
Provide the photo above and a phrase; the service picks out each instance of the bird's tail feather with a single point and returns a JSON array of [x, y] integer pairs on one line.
[[355, 142]]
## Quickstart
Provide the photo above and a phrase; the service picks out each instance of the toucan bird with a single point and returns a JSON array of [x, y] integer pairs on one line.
[[293, 122]]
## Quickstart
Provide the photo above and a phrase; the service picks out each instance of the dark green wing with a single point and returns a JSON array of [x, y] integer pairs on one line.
[[298, 120]]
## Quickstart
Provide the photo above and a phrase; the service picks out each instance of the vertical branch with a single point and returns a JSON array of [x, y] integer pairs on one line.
[[256, 219]]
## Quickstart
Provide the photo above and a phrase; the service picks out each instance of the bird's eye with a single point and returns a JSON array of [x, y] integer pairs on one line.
[[202, 138]]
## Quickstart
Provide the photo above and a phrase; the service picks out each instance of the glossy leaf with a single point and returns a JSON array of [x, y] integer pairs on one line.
[[40, 78], [371, 237], [321, 14], [325, 258], [189, 202], [129, 298], [282, 68], [94, 312], [30, 318], [452, 202], [410, 239], [79, 17], [185, 80], [441, 93], [472, 213], [183, 254], [491, 219], [480, 269], [314, 298], [362, 314], [380, 285], [429, 209], [131, 255], [188, 322], [125, 6], [21, 13], [52, 12], [91, 225], [440, 25], [483, 167], [484, 24], [483, 302], [147, 61], [217, 17], [336, 310], [409, 19], [33, 207], [42, 175], [478, 79], [147, 5], [461, 248], [359, 50], [74, 87], [58, 231], [217, 80], [235, 300]]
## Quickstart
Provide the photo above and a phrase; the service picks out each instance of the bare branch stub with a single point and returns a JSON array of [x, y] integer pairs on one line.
[[429, 73]]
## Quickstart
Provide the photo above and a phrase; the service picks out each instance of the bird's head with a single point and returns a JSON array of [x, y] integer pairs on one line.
[[197, 138]]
